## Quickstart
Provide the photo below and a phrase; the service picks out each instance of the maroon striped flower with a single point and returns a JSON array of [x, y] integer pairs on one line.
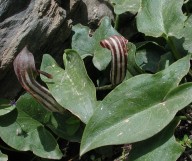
[[118, 46], [26, 72]]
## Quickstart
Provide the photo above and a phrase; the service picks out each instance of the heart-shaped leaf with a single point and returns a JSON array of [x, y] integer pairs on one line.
[[161, 17], [71, 87], [64, 125], [155, 148], [138, 103], [121, 6], [22, 132], [90, 46]]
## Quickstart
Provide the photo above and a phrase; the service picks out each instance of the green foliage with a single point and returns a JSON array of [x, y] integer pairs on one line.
[[132, 65], [121, 6], [186, 141], [142, 111], [148, 56], [161, 146], [78, 92], [150, 99], [5, 106], [161, 18], [22, 132], [64, 126], [187, 35], [93, 48]]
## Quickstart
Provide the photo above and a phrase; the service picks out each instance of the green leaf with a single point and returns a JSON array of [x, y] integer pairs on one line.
[[132, 66], [187, 34], [162, 146], [58, 123], [5, 106], [23, 133], [138, 108], [71, 87], [60, 126], [121, 6], [90, 46], [161, 18], [186, 141], [3, 157], [148, 56], [166, 60]]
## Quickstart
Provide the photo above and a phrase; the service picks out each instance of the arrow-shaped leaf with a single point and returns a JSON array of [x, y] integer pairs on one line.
[[138, 108], [71, 87]]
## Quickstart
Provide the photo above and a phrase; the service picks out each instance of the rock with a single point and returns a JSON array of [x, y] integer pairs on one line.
[[45, 27]]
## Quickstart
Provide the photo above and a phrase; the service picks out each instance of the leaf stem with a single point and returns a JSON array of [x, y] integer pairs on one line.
[[116, 26], [173, 47], [181, 117], [106, 87]]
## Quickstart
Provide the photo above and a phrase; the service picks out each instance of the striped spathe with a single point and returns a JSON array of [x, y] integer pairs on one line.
[[25, 70], [118, 46]]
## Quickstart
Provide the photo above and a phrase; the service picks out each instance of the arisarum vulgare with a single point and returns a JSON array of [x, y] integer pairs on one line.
[[118, 46], [26, 72]]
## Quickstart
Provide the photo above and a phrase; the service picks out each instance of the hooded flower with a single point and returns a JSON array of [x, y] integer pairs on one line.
[[26, 72], [118, 46]]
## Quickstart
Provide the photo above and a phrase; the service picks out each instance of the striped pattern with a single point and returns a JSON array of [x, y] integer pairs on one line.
[[24, 67], [117, 45]]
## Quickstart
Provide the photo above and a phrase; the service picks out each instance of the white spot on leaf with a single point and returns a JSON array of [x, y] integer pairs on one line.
[[127, 120], [163, 103], [120, 134]]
